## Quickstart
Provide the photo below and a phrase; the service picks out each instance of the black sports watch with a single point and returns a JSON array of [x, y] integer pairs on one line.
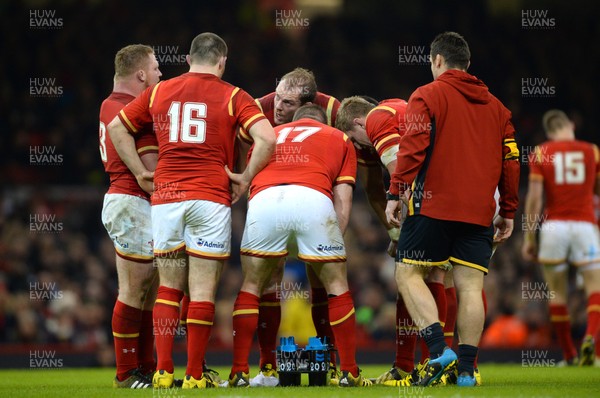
[[391, 196]]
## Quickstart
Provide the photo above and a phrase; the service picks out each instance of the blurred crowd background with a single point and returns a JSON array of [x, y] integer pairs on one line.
[[58, 284]]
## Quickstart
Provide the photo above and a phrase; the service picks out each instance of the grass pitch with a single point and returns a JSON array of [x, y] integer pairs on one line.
[[498, 381]]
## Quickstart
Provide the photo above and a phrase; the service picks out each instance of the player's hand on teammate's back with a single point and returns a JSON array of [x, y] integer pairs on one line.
[[239, 184], [504, 228], [146, 181]]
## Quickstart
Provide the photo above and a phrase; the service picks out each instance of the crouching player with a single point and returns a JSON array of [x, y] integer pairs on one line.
[[315, 185]]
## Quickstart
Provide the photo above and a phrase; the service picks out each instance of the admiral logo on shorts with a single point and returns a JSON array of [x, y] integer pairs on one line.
[[123, 245], [211, 245], [328, 248]]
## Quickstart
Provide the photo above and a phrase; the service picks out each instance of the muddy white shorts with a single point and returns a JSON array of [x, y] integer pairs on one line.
[[289, 218], [127, 221]]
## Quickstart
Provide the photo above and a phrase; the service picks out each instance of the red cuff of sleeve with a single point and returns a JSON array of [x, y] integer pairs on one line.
[[252, 121], [398, 188], [125, 120], [507, 214]]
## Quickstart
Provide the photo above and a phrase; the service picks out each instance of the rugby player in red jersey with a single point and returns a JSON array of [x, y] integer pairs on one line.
[[566, 172], [375, 131], [126, 217], [316, 187], [195, 119], [294, 89]]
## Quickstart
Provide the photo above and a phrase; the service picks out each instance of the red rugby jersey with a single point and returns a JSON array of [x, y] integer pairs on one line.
[[267, 104], [459, 146], [385, 125], [195, 117], [597, 208], [569, 170], [121, 179], [310, 154]]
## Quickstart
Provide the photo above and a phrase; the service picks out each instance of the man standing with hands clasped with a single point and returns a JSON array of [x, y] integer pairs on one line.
[[459, 146]]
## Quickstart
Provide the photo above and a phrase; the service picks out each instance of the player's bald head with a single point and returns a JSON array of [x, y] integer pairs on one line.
[[207, 49], [311, 111]]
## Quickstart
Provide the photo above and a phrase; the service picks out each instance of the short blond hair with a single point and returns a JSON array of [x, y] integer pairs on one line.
[[301, 81], [351, 108], [131, 58], [553, 120]]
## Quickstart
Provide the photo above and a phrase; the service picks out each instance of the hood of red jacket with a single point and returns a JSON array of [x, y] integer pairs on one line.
[[473, 89]]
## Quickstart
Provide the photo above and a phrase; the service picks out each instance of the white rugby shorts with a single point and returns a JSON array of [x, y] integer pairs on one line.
[[127, 221], [288, 218], [576, 242], [201, 227]]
